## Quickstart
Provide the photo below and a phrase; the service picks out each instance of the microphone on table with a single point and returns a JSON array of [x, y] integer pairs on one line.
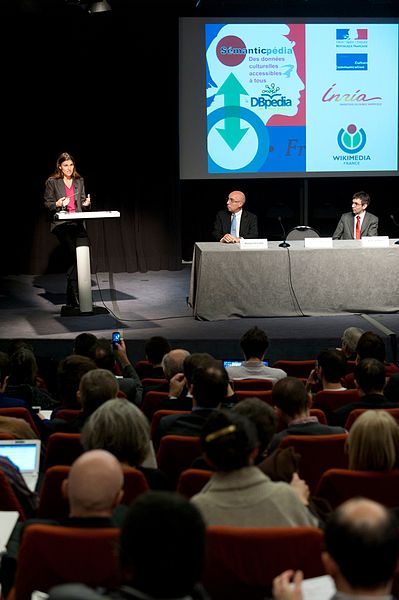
[[284, 243], [395, 223]]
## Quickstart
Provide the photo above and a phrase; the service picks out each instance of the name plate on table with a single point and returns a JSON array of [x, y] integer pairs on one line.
[[375, 241], [318, 242], [253, 244]]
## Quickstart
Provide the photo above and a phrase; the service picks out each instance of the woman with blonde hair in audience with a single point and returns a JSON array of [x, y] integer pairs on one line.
[[373, 442]]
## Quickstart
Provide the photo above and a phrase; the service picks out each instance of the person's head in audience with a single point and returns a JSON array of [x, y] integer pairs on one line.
[[264, 419], [23, 367], [194, 361], [361, 547], [391, 389], [331, 366], [94, 485], [254, 343], [96, 387], [373, 442], [69, 373], [370, 345], [349, 340], [361, 550], [290, 398], [83, 343], [172, 362], [155, 349], [18, 343], [210, 385], [103, 355], [369, 376], [229, 441], [120, 427], [162, 545]]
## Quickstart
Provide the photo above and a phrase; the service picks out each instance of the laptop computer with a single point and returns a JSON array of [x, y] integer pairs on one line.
[[25, 454], [238, 363]]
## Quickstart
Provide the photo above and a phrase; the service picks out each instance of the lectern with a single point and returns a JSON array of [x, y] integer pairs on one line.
[[85, 307]]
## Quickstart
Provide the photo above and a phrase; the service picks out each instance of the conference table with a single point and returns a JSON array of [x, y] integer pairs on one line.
[[348, 278]]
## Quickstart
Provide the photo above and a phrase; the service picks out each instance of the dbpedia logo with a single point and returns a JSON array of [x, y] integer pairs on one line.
[[351, 140]]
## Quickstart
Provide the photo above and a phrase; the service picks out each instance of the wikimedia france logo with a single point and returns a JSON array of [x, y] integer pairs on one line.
[[352, 139]]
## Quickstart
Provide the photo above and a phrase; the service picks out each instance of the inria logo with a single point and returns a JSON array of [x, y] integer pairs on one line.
[[351, 140]]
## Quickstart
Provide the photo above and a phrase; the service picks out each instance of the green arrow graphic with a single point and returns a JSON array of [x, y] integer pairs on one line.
[[232, 90]]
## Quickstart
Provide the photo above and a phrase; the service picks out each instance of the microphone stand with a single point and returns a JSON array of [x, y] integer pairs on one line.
[[395, 223], [284, 243]]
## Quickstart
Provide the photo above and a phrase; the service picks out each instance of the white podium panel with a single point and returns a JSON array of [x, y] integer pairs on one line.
[[83, 264]]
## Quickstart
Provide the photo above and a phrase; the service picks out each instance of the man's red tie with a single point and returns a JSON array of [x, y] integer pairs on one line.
[[358, 227]]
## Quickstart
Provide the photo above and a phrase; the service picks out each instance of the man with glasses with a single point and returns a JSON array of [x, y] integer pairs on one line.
[[234, 222], [358, 223]]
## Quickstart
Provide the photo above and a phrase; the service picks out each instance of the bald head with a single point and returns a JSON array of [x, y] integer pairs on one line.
[[172, 362], [94, 486], [362, 546]]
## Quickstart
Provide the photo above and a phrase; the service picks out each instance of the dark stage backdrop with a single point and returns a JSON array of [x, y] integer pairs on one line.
[[104, 87]]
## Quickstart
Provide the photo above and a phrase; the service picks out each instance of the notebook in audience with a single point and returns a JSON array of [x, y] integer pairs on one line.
[[25, 454], [237, 363]]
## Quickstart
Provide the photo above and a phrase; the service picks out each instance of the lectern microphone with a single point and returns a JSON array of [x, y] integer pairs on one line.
[[395, 223], [284, 243]]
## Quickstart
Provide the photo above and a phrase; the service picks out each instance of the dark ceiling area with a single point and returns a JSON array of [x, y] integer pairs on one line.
[[293, 8]]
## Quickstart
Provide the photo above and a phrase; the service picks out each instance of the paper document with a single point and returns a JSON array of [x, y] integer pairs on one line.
[[8, 519]]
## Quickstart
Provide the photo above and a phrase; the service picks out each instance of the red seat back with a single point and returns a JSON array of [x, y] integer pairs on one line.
[[242, 562]]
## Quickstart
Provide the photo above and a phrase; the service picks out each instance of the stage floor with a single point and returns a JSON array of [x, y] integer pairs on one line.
[[141, 305]]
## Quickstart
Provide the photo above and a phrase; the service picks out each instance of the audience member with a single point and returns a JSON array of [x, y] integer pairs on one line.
[[391, 389], [329, 370], [370, 345], [361, 554], [172, 367], [69, 373], [121, 428], [180, 397], [349, 340], [358, 223], [292, 403], [234, 222], [373, 442], [22, 380], [155, 349], [370, 379], [239, 494], [95, 387], [254, 344], [94, 488], [46, 365], [11, 402], [109, 356], [209, 389], [162, 552], [83, 343]]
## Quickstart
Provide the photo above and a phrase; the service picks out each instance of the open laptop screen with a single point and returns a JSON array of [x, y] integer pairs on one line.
[[237, 363]]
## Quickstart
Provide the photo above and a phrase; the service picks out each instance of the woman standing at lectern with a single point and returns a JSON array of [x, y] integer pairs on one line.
[[65, 192]]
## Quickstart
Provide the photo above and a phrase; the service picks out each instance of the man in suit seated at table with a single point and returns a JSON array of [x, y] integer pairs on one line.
[[358, 223], [234, 222]]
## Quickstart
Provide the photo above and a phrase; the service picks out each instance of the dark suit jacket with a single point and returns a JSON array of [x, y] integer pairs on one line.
[[55, 189], [345, 227], [248, 225], [370, 401], [190, 424]]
